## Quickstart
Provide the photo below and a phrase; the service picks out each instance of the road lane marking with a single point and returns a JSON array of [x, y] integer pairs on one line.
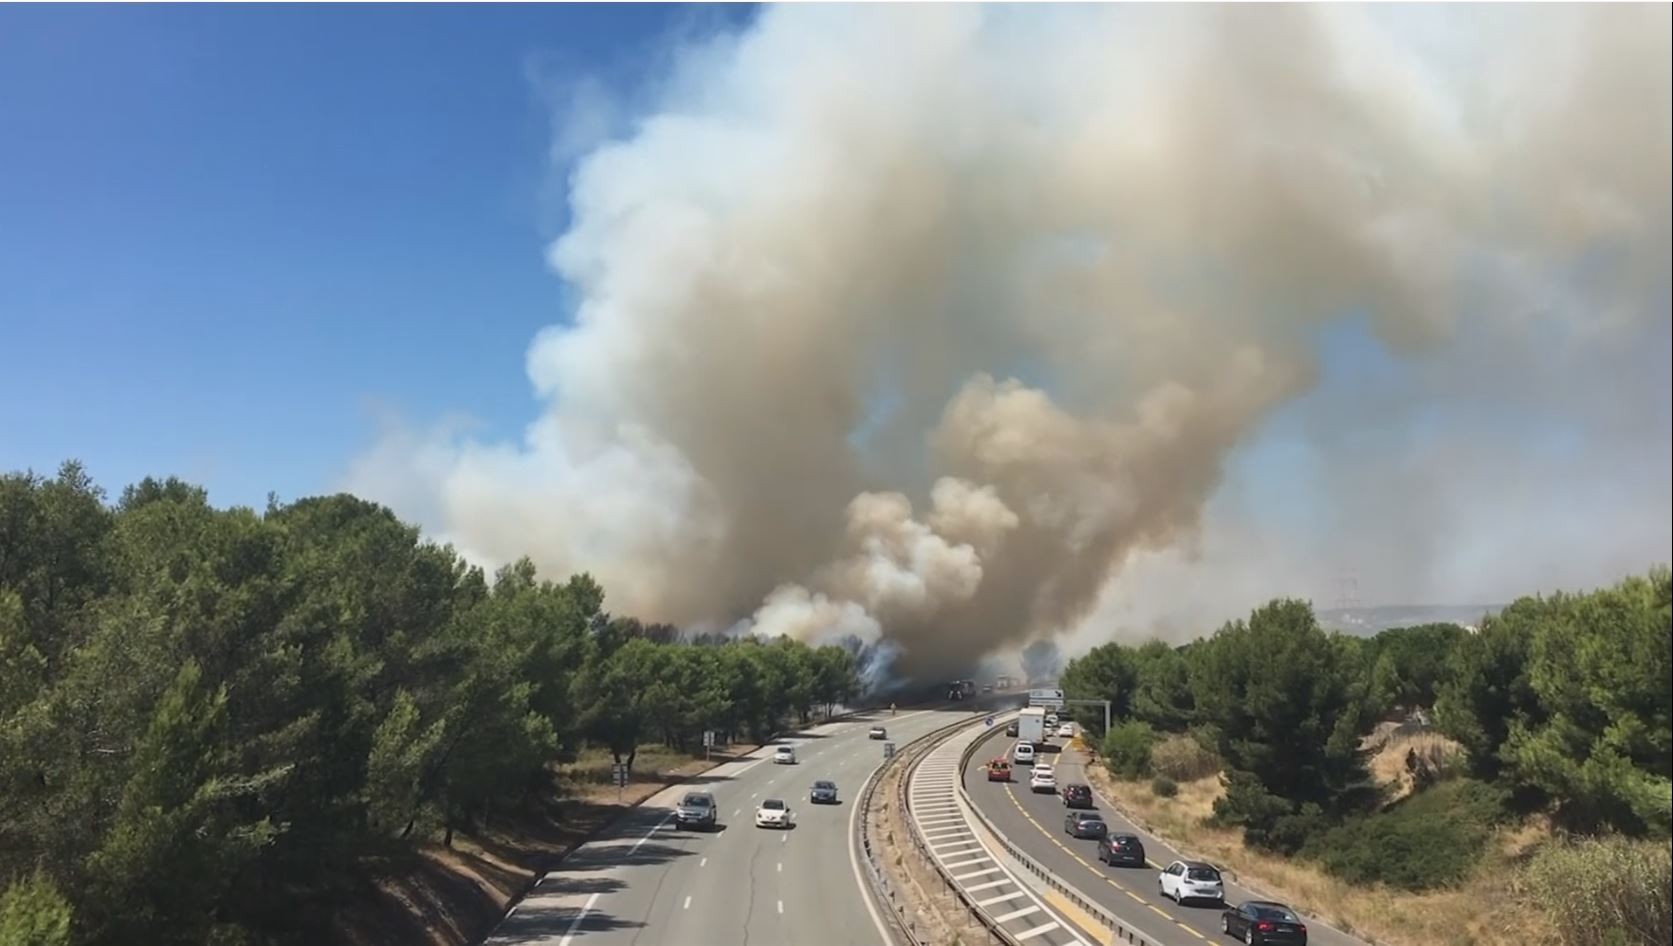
[[1017, 914], [987, 886], [703, 863], [648, 834], [569, 934], [977, 873], [781, 867], [687, 903], [1001, 898], [781, 906], [1039, 930]]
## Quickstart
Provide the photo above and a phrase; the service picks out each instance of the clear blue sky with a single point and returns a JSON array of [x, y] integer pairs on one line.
[[229, 236]]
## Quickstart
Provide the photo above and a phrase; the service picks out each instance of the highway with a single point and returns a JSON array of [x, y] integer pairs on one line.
[[1034, 822], [644, 883]]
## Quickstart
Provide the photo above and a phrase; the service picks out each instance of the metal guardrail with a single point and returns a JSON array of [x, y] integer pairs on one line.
[[1121, 931], [898, 910]]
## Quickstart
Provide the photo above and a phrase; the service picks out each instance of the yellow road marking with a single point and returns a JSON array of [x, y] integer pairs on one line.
[[1092, 923]]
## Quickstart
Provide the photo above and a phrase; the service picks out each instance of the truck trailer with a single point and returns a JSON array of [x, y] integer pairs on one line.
[[1031, 726]]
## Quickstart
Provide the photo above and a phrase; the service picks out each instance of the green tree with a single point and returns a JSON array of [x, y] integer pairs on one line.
[[1601, 666], [1127, 749], [1107, 672], [34, 913], [1162, 693], [1486, 686], [1283, 702]]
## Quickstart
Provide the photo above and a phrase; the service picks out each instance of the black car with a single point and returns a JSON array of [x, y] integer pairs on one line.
[[822, 793], [1259, 922], [1084, 824], [697, 810], [1076, 795], [1124, 849]]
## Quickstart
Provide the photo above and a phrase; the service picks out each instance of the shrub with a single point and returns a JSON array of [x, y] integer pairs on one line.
[[1183, 759], [1127, 749], [1604, 891], [1432, 839], [1164, 787], [32, 911]]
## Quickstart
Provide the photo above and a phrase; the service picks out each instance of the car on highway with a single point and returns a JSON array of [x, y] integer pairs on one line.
[[823, 792], [1124, 849], [1192, 880], [1066, 729], [1052, 720], [1260, 922], [1077, 795], [1012, 728], [999, 770], [1085, 824], [784, 755], [987, 688], [877, 732], [773, 813], [1023, 753], [696, 810], [1043, 779]]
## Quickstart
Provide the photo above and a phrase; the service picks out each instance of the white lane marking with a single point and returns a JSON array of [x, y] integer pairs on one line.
[[569, 934], [1017, 914], [687, 904], [781, 867], [784, 840], [1001, 898], [703, 863], [977, 873], [648, 834], [1038, 930], [951, 865], [781, 906], [735, 812]]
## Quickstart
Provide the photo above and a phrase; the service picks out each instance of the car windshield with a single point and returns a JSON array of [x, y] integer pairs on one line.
[[1205, 874], [824, 785], [773, 804], [697, 801], [1089, 816], [783, 750], [1275, 913]]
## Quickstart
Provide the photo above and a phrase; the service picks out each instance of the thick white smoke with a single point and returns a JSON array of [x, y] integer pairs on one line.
[[1045, 269]]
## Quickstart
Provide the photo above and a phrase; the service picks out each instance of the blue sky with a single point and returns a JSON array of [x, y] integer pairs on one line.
[[230, 238]]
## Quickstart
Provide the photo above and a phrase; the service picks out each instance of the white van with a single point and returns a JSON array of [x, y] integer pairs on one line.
[[1023, 753]]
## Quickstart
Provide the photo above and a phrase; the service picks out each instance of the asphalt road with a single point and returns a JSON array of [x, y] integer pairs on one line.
[[646, 884], [1034, 822]]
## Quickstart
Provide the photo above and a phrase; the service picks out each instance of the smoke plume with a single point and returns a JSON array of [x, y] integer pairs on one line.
[[917, 323]]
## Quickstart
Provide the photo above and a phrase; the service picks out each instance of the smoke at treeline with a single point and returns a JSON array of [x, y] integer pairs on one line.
[[919, 323]]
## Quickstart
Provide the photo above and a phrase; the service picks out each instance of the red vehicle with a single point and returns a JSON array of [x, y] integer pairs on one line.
[[999, 770]]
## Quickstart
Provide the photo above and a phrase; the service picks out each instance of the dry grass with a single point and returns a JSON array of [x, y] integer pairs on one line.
[[1482, 912], [1433, 753]]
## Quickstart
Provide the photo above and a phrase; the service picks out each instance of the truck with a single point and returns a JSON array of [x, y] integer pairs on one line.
[[1031, 726]]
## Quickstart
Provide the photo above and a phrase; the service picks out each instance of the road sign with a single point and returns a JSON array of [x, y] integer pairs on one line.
[[990, 720], [708, 738], [888, 750], [619, 775], [1050, 699]]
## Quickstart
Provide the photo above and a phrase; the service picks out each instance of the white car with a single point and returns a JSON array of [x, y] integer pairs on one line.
[[1192, 880], [774, 813], [1066, 730], [784, 755], [1024, 753], [1043, 779], [1052, 720]]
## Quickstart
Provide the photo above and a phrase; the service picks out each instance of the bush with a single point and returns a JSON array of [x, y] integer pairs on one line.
[[1127, 749], [1164, 787], [1432, 839], [32, 911], [1604, 891], [1183, 759]]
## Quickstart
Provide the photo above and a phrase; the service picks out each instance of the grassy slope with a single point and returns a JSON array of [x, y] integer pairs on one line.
[[1478, 912]]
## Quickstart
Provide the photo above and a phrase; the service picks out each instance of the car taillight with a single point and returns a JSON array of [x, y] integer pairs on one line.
[[1264, 926]]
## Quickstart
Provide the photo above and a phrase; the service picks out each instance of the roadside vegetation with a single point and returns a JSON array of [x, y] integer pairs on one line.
[[1428, 784], [222, 725]]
